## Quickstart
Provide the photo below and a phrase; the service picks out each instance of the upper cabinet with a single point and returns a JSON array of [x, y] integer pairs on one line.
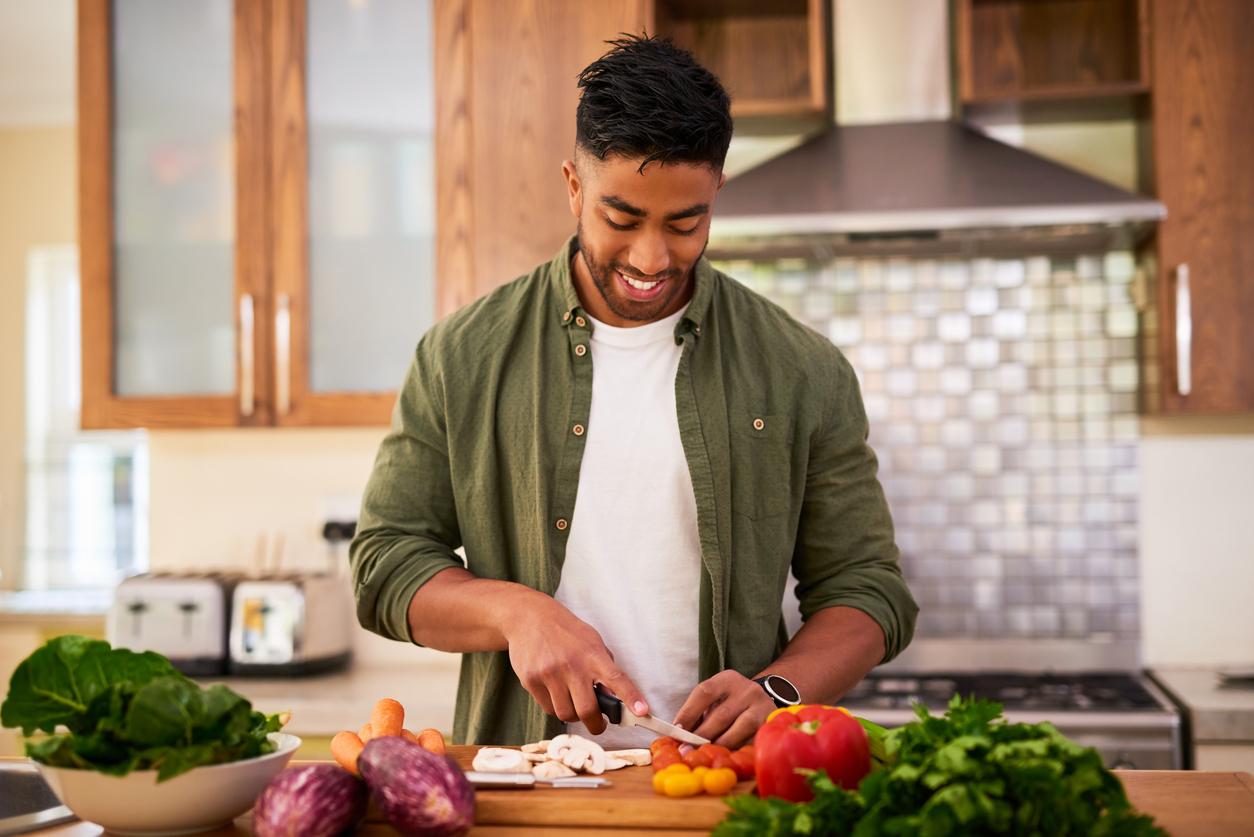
[[1025, 50], [261, 180], [257, 208], [1204, 174]]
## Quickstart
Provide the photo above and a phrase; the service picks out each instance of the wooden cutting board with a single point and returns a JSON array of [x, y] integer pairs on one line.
[[629, 803]]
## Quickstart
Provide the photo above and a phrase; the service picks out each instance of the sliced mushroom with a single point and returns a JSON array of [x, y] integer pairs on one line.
[[612, 763], [578, 753], [538, 747], [500, 760], [634, 756], [551, 770], [536, 758]]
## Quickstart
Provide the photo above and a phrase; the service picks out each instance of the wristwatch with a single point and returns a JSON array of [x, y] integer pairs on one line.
[[780, 690]]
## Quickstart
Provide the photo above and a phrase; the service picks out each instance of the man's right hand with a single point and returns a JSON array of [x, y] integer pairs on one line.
[[558, 657]]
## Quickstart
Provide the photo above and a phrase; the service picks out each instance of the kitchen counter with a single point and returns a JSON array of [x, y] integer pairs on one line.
[[1218, 713], [323, 705], [1185, 803]]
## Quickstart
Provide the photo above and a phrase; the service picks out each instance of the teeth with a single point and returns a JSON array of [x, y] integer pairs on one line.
[[637, 284]]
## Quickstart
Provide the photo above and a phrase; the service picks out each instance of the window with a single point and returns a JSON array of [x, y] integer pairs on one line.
[[86, 491]]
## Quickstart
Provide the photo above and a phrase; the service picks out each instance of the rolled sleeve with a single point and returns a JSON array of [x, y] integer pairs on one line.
[[846, 554], [407, 531]]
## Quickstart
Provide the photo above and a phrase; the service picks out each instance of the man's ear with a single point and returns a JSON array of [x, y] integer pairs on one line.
[[722, 180], [574, 187]]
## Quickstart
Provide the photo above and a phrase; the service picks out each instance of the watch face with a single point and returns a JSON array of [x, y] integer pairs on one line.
[[787, 692]]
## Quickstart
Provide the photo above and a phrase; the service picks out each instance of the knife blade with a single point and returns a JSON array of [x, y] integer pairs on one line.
[[526, 781], [612, 708]]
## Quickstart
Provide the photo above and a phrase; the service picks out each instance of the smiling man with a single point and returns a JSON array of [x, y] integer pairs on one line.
[[634, 451]]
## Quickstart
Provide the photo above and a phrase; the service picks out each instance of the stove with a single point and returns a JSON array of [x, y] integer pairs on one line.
[[1125, 715]]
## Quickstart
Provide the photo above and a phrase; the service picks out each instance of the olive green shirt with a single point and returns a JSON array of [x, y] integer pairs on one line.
[[484, 453]]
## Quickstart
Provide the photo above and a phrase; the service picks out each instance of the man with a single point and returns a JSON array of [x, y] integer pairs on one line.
[[634, 451]]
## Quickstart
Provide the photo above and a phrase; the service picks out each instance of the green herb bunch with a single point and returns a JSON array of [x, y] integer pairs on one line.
[[127, 711], [966, 773]]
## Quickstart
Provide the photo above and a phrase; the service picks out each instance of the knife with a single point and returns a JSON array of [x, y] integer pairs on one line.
[[612, 708], [525, 781]]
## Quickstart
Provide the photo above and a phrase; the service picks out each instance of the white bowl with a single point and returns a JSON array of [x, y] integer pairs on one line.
[[198, 800]]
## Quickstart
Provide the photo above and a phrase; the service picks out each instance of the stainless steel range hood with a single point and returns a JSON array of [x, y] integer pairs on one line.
[[915, 177]]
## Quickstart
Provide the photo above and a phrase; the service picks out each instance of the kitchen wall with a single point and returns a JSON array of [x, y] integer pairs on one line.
[[38, 206]]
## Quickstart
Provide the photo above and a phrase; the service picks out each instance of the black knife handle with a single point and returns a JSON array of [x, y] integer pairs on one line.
[[610, 706]]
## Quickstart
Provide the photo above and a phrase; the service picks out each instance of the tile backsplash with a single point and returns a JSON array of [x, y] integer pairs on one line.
[[1003, 403]]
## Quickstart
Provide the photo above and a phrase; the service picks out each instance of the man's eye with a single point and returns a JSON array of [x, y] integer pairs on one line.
[[688, 231], [619, 226]]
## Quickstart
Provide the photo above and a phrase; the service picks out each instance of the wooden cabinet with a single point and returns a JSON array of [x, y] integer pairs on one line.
[[1203, 122], [1024, 50], [506, 121], [261, 180], [257, 204]]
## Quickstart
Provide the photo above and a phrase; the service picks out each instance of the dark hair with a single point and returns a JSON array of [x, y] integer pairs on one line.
[[648, 98]]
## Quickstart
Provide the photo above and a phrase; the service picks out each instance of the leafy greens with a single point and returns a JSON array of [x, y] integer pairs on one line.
[[127, 711], [966, 773]]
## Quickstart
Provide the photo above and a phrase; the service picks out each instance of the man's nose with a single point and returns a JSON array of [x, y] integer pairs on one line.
[[648, 256]]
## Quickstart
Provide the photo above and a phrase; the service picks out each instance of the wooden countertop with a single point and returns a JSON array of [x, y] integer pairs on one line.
[[1185, 803]]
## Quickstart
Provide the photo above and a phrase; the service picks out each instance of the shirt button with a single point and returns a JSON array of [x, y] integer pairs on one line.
[[566, 317], [577, 429], [580, 321], [561, 524], [581, 350], [758, 424]]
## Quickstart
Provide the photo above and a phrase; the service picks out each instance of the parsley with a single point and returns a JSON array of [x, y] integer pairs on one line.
[[966, 773]]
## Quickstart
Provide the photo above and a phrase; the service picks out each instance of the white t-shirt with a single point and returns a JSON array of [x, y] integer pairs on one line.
[[633, 559]]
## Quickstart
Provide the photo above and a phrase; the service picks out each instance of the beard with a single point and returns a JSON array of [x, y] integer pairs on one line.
[[622, 305]]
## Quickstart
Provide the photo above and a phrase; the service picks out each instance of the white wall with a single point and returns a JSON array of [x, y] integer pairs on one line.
[[1197, 541]]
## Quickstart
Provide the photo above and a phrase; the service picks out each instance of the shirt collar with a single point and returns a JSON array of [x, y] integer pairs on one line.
[[568, 305]]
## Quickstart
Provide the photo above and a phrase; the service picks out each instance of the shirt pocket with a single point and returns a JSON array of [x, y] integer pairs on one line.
[[761, 464]]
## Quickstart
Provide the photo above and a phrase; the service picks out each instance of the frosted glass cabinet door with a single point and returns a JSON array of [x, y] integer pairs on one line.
[[173, 197], [371, 115]]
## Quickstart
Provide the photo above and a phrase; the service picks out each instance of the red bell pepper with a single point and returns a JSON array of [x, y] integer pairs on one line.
[[813, 737]]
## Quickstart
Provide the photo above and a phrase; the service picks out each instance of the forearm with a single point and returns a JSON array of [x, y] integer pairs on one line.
[[832, 652], [459, 612]]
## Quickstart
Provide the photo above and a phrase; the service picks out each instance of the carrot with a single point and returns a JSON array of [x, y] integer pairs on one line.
[[366, 733], [431, 739], [409, 736], [388, 718], [346, 747]]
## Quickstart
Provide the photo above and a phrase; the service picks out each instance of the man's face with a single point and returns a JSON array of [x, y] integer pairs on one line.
[[640, 234]]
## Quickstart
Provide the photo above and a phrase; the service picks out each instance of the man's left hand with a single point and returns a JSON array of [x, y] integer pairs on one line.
[[727, 709]]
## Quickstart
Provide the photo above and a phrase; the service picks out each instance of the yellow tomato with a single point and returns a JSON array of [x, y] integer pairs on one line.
[[700, 771], [682, 784], [719, 781]]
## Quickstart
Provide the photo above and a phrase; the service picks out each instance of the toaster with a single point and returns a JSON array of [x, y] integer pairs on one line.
[[290, 625], [183, 617]]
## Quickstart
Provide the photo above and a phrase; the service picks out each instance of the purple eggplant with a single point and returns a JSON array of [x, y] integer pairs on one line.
[[318, 800], [420, 793]]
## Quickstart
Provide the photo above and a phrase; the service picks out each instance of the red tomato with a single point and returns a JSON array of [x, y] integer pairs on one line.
[[660, 742], [698, 758], [665, 757], [817, 738], [742, 762]]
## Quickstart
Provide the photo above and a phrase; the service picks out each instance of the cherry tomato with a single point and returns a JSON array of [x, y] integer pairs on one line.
[[742, 762], [682, 784], [665, 757], [720, 781], [660, 742], [698, 758]]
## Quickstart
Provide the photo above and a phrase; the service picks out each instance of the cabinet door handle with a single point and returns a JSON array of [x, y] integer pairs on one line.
[[247, 401], [283, 354], [1184, 332]]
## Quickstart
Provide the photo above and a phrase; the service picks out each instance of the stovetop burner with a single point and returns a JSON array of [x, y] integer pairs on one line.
[[1086, 691]]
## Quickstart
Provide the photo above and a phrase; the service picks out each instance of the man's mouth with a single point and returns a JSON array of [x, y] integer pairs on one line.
[[641, 290]]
